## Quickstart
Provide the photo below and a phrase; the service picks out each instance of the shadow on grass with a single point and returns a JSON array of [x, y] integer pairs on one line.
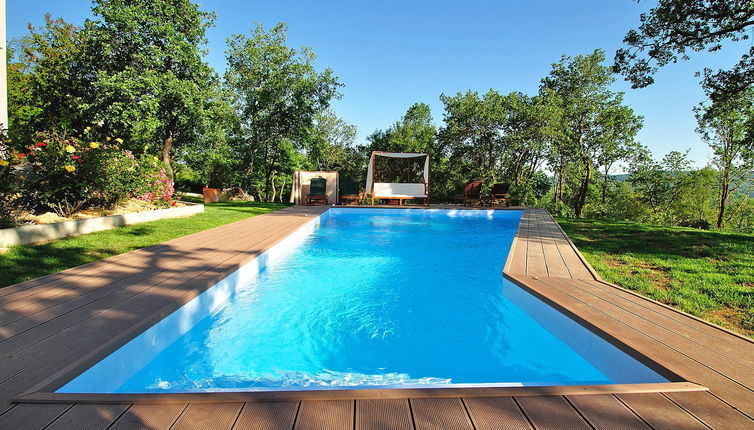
[[140, 231], [28, 262]]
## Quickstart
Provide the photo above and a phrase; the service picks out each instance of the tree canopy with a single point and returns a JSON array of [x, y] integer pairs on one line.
[[277, 93], [675, 27]]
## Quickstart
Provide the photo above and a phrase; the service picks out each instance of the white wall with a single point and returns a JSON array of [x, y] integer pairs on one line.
[[3, 70]]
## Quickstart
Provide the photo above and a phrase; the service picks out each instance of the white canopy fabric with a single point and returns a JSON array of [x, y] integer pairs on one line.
[[370, 169]]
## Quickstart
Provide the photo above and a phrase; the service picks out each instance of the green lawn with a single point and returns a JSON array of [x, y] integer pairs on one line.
[[709, 274], [24, 262]]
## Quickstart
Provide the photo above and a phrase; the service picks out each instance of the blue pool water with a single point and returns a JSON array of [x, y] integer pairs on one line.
[[377, 298]]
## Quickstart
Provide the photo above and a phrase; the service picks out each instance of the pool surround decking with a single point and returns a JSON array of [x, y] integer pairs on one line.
[[54, 327]]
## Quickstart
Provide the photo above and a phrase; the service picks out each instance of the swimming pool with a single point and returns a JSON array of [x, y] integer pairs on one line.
[[368, 298]]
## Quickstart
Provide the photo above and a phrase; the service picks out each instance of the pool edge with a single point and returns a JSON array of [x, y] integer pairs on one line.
[[43, 392]]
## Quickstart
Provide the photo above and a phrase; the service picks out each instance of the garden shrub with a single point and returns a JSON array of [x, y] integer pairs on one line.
[[8, 184], [188, 179], [157, 187], [67, 173]]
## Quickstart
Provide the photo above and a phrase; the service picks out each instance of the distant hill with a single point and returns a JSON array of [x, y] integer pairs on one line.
[[749, 185]]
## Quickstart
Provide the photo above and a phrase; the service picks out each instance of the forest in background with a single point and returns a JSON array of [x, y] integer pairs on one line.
[[135, 73]]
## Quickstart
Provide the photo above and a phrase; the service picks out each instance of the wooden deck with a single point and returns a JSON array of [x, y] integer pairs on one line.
[[48, 323]]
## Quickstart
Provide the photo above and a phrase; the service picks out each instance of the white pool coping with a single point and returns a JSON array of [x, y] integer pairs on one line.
[[113, 371]]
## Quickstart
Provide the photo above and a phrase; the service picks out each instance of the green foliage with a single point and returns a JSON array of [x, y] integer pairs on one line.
[[594, 125], [8, 183], [331, 147], [705, 273], [674, 27], [63, 174], [728, 128], [48, 81], [152, 86], [136, 70], [277, 93]]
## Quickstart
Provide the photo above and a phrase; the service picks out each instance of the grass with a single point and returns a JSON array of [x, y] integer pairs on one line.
[[709, 274], [24, 262]]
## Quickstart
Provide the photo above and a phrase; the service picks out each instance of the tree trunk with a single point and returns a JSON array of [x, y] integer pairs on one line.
[[604, 185], [167, 145], [583, 190], [282, 188], [274, 191], [724, 185], [268, 173], [559, 185]]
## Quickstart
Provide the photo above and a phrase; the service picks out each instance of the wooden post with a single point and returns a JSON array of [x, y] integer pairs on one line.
[[426, 183], [371, 161], [3, 70]]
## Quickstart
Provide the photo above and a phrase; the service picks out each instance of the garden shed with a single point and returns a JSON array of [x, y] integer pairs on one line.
[[302, 180]]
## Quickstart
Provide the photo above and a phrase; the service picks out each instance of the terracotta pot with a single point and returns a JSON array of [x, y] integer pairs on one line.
[[211, 195]]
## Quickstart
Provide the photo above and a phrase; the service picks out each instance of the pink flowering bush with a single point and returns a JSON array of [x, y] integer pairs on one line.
[[67, 173], [159, 190]]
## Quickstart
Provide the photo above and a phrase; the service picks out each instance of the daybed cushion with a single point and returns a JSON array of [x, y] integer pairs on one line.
[[382, 189]]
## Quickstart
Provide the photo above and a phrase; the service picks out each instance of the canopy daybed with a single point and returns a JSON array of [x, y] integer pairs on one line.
[[399, 190]]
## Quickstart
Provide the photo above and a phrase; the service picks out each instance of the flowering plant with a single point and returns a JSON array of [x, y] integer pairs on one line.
[[158, 187], [8, 182], [70, 172]]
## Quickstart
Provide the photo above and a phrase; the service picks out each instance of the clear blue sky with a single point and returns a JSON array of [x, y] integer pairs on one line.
[[390, 54]]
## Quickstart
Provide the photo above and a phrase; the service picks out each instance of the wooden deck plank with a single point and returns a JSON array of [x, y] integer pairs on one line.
[[535, 254], [114, 320], [210, 259], [558, 237], [666, 335], [606, 412], [32, 416], [201, 416], [88, 417], [48, 281], [115, 262], [82, 289], [516, 262], [163, 258], [711, 411], [159, 269], [556, 266], [733, 347], [551, 412], [659, 412], [681, 364], [326, 415], [383, 414], [33, 286], [267, 416], [149, 417], [575, 264], [494, 413], [447, 414]]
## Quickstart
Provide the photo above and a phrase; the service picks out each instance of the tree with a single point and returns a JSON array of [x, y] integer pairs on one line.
[[661, 185], [49, 81], [526, 132], [473, 134], [413, 132], [277, 94], [674, 27], [152, 86], [728, 128], [593, 119], [331, 146]]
